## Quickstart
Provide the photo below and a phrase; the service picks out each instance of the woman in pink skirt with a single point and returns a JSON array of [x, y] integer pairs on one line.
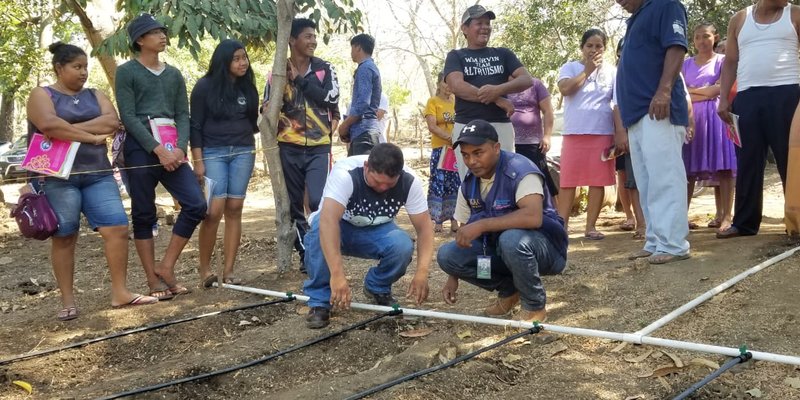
[[710, 156], [587, 86]]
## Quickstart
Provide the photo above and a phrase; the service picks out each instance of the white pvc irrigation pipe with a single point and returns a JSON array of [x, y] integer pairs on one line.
[[624, 337], [713, 292]]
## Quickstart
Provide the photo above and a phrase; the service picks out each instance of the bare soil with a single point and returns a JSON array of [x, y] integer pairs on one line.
[[600, 289]]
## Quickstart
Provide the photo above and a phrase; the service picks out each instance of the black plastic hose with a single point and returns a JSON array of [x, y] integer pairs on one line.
[[138, 330], [728, 365], [448, 364], [253, 362]]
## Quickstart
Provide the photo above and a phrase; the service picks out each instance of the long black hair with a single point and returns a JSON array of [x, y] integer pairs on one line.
[[223, 96]]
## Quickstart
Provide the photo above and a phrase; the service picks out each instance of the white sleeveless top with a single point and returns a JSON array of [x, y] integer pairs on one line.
[[768, 52]]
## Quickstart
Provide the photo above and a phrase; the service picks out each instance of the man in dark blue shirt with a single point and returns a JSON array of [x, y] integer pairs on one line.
[[361, 128], [654, 109]]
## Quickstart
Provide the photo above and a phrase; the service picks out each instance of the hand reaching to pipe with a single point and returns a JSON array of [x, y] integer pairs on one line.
[[418, 289], [340, 292], [449, 290]]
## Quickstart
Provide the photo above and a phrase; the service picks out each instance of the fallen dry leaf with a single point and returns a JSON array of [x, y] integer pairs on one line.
[[227, 334], [664, 383], [640, 358], [755, 392], [244, 322], [464, 334], [657, 354], [415, 333], [663, 370], [557, 348], [512, 358], [24, 386], [302, 310], [619, 347], [675, 359], [793, 382], [702, 362]]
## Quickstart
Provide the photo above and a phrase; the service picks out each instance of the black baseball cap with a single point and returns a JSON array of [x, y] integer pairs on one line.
[[476, 133], [476, 11]]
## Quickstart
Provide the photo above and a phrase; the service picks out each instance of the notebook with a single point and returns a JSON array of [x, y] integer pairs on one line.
[[50, 156]]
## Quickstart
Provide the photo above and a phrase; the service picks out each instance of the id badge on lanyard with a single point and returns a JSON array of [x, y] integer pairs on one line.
[[484, 263]]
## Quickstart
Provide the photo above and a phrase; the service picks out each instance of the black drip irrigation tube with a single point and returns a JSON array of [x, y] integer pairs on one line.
[[743, 357], [159, 325], [261, 360], [414, 375]]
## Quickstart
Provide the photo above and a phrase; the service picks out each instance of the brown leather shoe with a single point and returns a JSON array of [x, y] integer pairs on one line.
[[532, 315], [502, 306]]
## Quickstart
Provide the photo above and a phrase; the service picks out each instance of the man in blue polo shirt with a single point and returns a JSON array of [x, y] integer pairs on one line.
[[652, 102], [361, 128]]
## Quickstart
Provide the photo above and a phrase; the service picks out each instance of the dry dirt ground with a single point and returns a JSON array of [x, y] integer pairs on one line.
[[600, 289]]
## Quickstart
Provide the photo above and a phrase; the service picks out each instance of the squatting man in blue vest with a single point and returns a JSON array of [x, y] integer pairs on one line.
[[356, 218], [510, 233]]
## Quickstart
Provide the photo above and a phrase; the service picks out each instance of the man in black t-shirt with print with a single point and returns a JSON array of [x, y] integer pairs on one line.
[[481, 77]]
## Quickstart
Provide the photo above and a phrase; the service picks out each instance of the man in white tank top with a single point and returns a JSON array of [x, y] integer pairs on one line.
[[762, 58]]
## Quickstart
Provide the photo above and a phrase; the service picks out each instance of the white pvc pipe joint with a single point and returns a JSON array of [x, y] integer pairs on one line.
[[623, 337]]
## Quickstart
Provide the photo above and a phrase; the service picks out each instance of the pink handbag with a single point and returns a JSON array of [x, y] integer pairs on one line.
[[35, 217]]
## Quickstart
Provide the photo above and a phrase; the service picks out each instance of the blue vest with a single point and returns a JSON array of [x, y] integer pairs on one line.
[[501, 199]]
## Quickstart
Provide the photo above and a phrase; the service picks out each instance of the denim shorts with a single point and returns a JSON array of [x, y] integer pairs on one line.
[[97, 196], [231, 168]]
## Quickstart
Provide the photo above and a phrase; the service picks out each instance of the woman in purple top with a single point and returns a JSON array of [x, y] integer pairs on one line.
[[710, 155], [67, 110], [533, 127]]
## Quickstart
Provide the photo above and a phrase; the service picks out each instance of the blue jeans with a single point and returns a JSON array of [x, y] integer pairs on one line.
[[231, 168], [97, 196], [180, 183], [517, 263], [386, 243], [364, 142]]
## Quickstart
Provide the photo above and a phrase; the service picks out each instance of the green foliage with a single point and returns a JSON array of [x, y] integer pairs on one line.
[[253, 22], [398, 95], [717, 12], [545, 34]]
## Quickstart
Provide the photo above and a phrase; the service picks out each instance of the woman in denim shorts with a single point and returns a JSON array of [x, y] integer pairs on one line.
[[224, 110], [66, 110]]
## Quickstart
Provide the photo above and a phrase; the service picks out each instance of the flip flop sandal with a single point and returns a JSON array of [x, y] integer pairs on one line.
[[628, 226], [161, 293], [179, 290], [437, 228], [640, 254], [232, 280], [67, 313], [638, 235], [138, 300], [209, 281], [175, 289], [714, 223], [594, 235], [693, 226], [664, 258]]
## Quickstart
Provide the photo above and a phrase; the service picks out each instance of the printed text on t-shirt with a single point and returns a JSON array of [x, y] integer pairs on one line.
[[483, 66]]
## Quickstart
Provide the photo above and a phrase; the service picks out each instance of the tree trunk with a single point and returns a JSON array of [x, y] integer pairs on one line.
[[96, 37], [7, 117], [269, 140]]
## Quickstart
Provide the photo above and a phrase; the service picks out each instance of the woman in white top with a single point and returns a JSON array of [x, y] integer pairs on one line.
[[587, 86]]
